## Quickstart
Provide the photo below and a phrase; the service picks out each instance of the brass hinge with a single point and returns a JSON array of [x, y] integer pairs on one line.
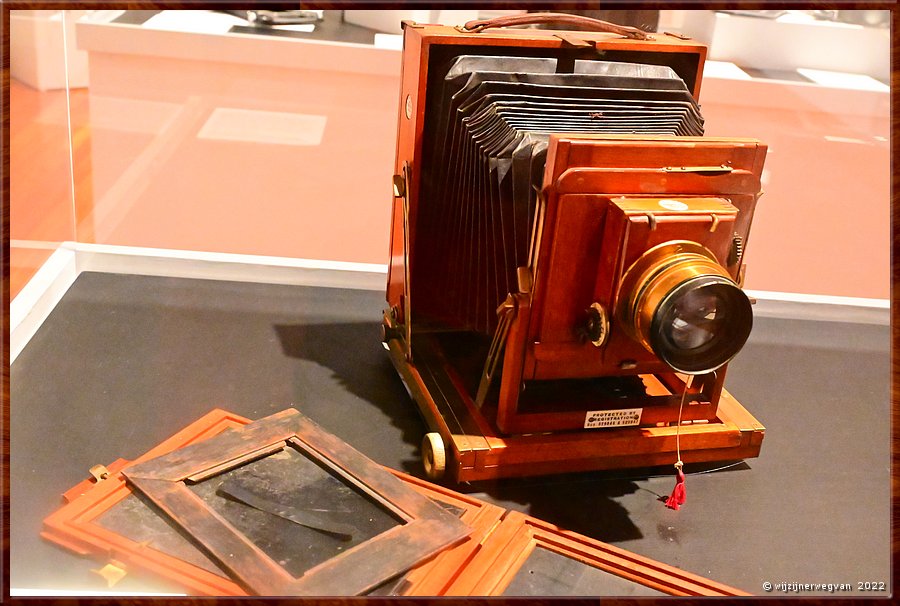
[[573, 40], [99, 472], [709, 170], [399, 186]]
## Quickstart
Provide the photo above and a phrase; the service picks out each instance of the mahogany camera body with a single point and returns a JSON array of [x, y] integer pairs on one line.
[[582, 319]]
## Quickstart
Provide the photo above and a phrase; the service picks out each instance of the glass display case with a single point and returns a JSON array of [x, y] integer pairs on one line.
[[202, 131], [252, 155]]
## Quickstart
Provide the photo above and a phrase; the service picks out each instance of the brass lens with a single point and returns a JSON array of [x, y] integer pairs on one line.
[[681, 305]]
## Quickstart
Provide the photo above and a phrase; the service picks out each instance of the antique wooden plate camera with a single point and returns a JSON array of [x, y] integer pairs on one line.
[[564, 291]]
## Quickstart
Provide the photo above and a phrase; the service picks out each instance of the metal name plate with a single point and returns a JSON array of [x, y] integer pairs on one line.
[[623, 417]]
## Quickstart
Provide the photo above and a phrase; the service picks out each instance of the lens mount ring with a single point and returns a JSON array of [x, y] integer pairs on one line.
[[652, 264], [653, 288]]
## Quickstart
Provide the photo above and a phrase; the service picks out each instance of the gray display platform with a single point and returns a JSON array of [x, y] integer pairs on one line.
[[123, 362]]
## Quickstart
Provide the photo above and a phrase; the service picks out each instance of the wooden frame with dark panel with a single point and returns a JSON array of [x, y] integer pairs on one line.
[[424, 530], [493, 568], [75, 527]]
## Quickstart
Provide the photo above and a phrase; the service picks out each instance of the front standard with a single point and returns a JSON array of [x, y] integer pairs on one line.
[[564, 290]]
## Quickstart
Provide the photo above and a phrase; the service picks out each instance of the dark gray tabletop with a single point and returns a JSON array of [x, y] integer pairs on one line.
[[123, 362]]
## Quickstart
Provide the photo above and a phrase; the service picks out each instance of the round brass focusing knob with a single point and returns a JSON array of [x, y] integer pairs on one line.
[[682, 305], [597, 327]]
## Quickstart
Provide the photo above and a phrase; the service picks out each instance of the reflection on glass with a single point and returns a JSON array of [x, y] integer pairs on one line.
[[41, 205], [698, 317], [231, 141]]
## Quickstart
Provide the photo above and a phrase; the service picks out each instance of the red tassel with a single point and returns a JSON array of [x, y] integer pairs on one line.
[[677, 498]]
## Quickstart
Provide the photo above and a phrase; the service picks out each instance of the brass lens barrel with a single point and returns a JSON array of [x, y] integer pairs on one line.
[[681, 305]]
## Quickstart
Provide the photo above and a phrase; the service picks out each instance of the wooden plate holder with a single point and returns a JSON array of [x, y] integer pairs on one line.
[[483, 564]]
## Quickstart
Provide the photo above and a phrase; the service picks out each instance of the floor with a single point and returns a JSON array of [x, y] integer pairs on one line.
[[125, 361]]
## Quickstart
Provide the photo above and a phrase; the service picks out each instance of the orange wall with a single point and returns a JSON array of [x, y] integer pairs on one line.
[[160, 185], [822, 226]]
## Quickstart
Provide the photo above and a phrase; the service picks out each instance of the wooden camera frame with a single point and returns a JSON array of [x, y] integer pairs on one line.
[[636, 192]]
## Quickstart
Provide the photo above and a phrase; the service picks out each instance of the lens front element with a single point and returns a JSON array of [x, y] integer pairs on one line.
[[682, 305], [701, 324]]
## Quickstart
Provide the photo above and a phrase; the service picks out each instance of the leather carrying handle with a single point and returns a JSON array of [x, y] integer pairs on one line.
[[594, 25]]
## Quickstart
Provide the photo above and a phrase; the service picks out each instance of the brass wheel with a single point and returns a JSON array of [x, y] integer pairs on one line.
[[434, 457]]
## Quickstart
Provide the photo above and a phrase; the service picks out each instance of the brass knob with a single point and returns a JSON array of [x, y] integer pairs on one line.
[[597, 327]]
